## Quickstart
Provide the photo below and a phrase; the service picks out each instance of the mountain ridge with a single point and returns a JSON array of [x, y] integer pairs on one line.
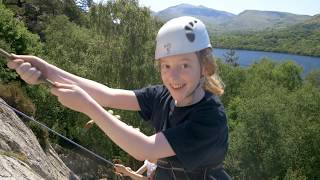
[[223, 21]]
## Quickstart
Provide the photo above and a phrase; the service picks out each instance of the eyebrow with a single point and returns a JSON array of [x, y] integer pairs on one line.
[[183, 59], [186, 59]]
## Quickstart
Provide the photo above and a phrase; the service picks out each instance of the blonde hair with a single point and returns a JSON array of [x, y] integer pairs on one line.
[[212, 80]]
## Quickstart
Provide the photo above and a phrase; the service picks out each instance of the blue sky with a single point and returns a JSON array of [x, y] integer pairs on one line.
[[305, 7]]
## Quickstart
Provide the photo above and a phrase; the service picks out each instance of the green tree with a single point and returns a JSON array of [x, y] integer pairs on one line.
[[14, 33], [314, 78], [232, 77], [231, 58], [36, 13], [288, 75]]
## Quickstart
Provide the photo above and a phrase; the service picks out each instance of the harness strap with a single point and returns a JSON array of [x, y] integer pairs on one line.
[[168, 166]]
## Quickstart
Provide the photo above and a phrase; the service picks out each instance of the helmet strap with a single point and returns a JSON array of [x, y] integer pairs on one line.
[[200, 83]]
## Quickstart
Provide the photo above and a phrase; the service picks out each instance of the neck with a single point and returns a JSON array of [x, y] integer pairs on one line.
[[193, 98]]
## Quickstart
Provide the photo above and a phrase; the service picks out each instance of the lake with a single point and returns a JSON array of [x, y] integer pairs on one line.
[[246, 58]]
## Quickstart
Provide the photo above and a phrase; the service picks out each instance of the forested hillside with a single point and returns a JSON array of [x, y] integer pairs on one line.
[[301, 39], [273, 113], [219, 22]]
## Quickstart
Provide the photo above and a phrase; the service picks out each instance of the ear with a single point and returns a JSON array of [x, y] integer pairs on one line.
[[208, 68], [204, 71]]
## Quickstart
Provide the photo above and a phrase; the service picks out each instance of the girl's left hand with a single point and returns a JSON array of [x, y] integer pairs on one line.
[[73, 97], [119, 168]]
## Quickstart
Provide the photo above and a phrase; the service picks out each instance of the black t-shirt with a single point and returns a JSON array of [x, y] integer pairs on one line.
[[198, 133]]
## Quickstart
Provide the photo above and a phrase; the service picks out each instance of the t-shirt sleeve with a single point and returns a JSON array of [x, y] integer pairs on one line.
[[146, 98], [204, 136]]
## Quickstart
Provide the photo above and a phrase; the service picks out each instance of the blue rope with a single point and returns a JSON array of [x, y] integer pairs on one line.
[[56, 133]]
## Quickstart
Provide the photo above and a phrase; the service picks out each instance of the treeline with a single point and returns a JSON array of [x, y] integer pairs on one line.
[[303, 39], [273, 112]]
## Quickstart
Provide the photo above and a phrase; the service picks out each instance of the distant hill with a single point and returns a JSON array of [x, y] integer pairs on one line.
[[314, 22], [221, 21], [259, 20], [302, 38], [202, 12]]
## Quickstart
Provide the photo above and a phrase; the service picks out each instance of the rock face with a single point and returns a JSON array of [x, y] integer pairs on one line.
[[21, 156]]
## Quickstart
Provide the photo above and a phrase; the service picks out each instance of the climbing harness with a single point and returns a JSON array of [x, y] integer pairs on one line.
[[172, 169], [58, 134], [168, 165]]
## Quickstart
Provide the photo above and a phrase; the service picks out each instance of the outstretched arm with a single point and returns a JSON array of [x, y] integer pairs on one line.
[[128, 138], [30, 68]]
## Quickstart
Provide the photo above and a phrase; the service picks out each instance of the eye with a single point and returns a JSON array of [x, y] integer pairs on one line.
[[184, 66], [165, 66]]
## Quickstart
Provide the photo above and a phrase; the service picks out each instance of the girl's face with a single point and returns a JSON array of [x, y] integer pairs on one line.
[[181, 75]]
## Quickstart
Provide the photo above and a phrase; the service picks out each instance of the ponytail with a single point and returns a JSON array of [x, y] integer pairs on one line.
[[213, 82]]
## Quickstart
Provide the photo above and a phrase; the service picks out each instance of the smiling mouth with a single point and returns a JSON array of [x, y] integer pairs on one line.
[[177, 86]]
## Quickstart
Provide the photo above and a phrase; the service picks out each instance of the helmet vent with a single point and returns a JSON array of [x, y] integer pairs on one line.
[[189, 31], [187, 28], [190, 36]]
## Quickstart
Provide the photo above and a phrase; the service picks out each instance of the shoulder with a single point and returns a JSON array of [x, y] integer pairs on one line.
[[212, 99], [152, 90], [210, 103], [150, 100], [211, 109]]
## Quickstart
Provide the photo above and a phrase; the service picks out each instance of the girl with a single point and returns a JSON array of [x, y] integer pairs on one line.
[[192, 134]]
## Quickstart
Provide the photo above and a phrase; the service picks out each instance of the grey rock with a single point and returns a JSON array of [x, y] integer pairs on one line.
[[21, 156]]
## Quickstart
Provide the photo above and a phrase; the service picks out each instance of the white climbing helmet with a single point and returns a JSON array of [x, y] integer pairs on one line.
[[181, 35]]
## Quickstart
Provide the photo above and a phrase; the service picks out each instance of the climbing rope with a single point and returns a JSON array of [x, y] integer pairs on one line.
[[58, 134]]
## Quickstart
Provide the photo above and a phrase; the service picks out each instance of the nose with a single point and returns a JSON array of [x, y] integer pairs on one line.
[[174, 73]]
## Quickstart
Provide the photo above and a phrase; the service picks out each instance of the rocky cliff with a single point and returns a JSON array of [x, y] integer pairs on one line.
[[21, 156]]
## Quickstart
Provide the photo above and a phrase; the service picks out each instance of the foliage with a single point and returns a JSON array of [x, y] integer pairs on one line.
[[232, 77], [294, 175], [274, 124], [13, 33], [314, 78], [16, 97], [36, 13], [301, 39]]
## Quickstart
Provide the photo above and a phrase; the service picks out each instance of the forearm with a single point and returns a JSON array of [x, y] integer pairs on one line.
[[129, 139], [105, 96], [59, 75], [33, 69], [134, 176], [142, 169], [137, 177]]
